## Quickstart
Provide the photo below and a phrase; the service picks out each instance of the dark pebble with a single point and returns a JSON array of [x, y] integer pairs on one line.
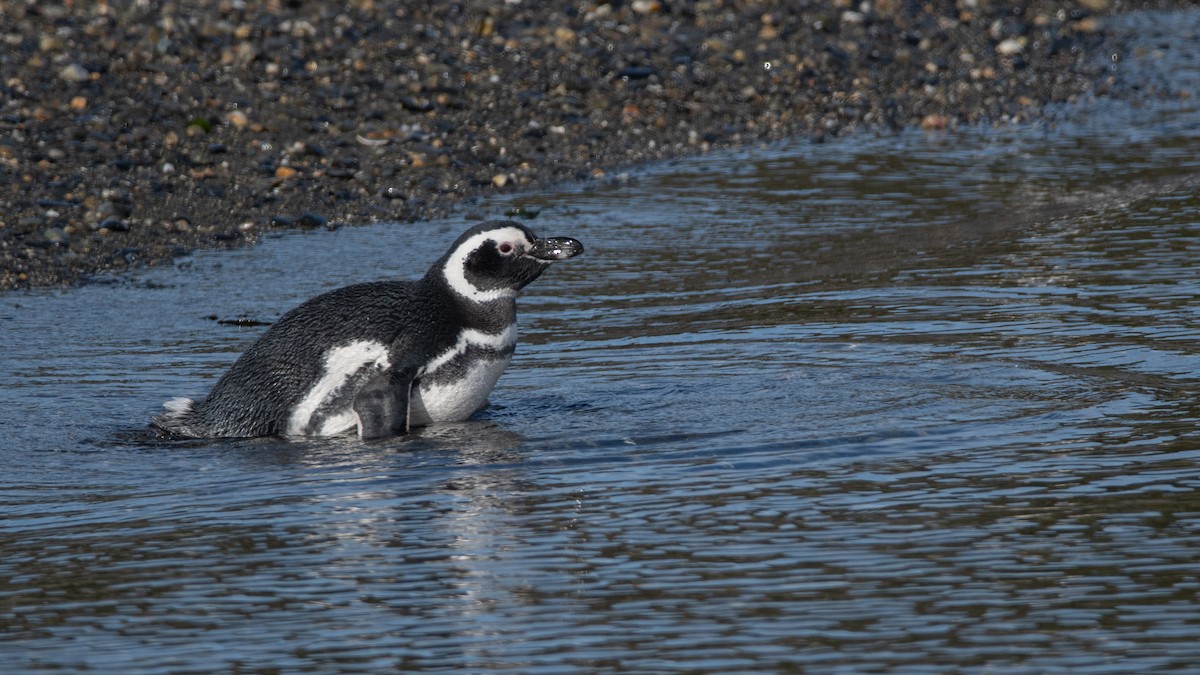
[[414, 105], [57, 203], [114, 225], [636, 72], [343, 167], [120, 206], [308, 219]]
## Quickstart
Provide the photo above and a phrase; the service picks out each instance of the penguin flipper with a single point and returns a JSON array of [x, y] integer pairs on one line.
[[382, 406]]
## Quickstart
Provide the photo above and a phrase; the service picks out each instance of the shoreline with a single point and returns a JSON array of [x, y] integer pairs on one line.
[[131, 137]]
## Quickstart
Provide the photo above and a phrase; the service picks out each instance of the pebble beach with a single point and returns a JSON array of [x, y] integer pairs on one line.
[[132, 133]]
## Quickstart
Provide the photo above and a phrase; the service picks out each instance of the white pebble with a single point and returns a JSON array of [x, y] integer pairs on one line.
[[1010, 47], [75, 73]]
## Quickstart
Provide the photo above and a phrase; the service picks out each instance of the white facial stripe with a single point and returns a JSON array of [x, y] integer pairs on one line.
[[340, 364], [467, 338], [456, 266]]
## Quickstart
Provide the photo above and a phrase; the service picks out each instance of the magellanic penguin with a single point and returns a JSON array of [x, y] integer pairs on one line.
[[379, 358]]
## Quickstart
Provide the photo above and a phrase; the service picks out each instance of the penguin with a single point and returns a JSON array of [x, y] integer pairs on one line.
[[380, 358]]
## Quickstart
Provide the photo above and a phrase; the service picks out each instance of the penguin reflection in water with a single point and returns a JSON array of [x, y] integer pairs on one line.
[[379, 358]]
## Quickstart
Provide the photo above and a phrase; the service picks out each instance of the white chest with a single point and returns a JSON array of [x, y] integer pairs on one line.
[[457, 400], [456, 383]]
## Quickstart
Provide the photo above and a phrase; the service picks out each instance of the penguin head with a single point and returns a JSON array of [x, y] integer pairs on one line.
[[494, 260]]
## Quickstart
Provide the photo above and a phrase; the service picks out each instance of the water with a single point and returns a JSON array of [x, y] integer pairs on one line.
[[916, 403]]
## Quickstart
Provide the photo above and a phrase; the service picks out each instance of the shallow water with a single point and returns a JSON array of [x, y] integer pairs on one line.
[[891, 403]]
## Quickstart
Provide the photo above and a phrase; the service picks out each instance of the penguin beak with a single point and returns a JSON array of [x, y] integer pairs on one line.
[[555, 248]]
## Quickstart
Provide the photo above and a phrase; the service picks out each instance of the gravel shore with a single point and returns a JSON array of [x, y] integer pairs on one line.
[[132, 132]]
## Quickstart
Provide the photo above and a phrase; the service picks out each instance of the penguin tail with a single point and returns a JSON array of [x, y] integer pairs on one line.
[[178, 406], [175, 420]]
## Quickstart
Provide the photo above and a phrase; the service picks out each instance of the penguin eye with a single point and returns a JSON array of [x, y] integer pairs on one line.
[[506, 248]]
